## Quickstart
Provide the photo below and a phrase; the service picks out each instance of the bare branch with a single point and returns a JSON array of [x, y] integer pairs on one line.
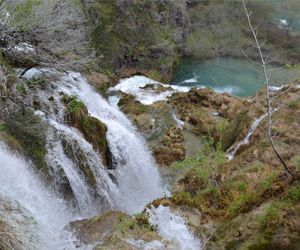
[[53, 33], [267, 78]]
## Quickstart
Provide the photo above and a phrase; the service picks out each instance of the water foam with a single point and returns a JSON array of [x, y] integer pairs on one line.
[[173, 227]]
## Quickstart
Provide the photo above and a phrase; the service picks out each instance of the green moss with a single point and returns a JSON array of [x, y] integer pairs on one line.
[[93, 129], [29, 130], [235, 128], [125, 224], [129, 105]]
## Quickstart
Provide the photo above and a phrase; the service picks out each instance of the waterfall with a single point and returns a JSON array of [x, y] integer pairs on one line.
[[50, 213], [137, 176], [136, 180], [57, 158]]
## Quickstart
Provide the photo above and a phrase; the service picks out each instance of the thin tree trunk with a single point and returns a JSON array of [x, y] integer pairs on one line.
[[269, 106]]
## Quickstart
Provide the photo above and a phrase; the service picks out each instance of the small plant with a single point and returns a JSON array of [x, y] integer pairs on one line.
[[270, 217], [36, 82], [294, 192], [241, 186], [73, 104], [266, 183], [264, 144], [182, 198], [240, 203], [142, 220]]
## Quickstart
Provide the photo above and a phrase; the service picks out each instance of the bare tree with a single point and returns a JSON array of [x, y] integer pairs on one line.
[[48, 33], [266, 72]]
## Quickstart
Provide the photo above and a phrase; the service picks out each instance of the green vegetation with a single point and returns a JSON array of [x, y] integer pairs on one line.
[[93, 129], [142, 220], [138, 222], [294, 192], [234, 128], [74, 106], [28, 130], [117, 38], [31, 84], [129, 105]]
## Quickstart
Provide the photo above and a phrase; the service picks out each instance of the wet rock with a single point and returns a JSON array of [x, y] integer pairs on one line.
[[93, 129], [74, 152], [112, 230], [30, 132], [17, 227], [100, 81]]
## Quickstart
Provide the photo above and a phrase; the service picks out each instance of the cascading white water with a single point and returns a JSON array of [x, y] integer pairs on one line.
[[17, 226], [172, 227], [138, 180], [235, 147], [134, 86], [137, 176], [51, 214], [57, 159]]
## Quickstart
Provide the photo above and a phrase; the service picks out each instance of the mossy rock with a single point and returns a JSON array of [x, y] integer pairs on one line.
[[111, 230], [29, 131], [129, 105], [236, 128], [93, 129]]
